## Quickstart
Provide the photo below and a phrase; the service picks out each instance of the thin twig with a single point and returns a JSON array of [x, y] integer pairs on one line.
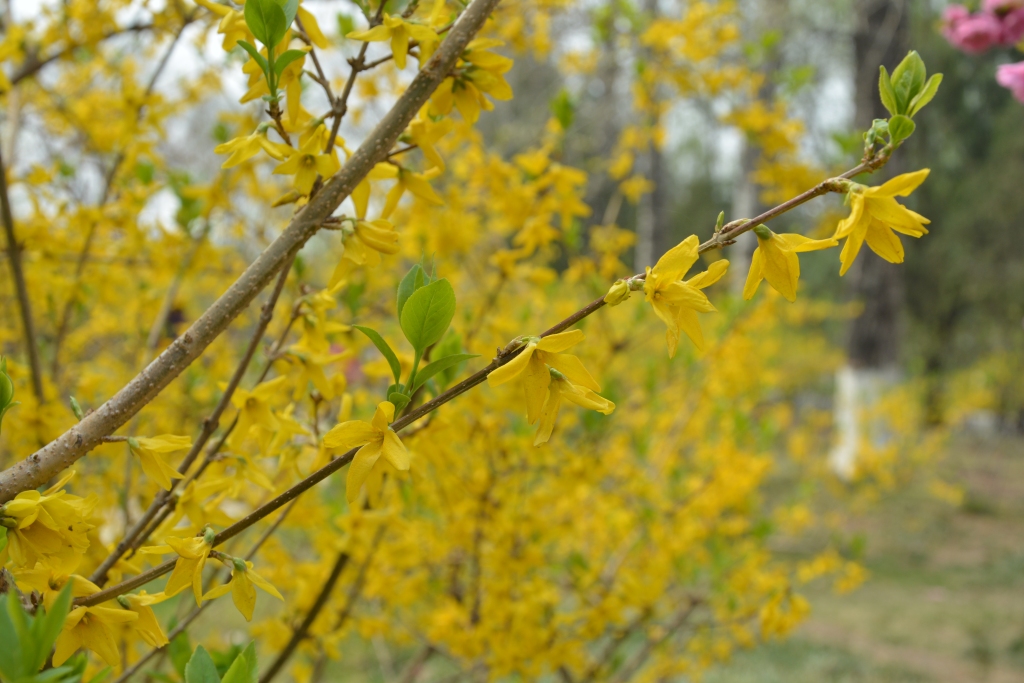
[[21, 288], [180, 628], [210, 425]]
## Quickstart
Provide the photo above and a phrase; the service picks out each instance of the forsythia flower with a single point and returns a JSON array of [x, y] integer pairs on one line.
[[92, 628], [775, 260], [481, 72], [308, 162], [51, 526], [676, 302], [417, 183], [534, 365], [49, 582], [400, 32], [241, 585], [150, 451], [875, 214], [243, 149], [424, 133], [558, 389], [147, 625], [376, 438], [254, 409], [364, 244], [188, 570]]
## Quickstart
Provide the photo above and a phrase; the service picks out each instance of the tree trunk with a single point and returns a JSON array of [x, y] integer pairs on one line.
[[873, 339]]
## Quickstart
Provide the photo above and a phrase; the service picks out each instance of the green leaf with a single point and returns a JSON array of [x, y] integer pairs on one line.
[[201, 669], [180, 650], [3, 538], [266, 20], [563, 108], [255, 54], [287, 58], [382, 346], [439, 365], [908, 80], [244, 668], [412, 281], [256, 19], [900, 128], [886, 92], [102, 675], [399, 400], [289, 7], [428, 313], [10, 654], [50, 625], [926, 94]]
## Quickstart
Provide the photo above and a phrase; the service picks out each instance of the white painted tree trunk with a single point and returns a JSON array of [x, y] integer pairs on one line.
[[858, 390]]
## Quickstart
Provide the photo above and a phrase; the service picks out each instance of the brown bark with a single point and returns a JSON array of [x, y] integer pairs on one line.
[[882, 37]]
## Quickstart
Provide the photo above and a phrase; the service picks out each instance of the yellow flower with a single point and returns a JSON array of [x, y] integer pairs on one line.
[[775, 260], [875, 214], [254, 408], [617, 293], [232, 24], [364, 243], [561, 388], [415, 183], [676, 302], [400, 32], [376, 438], [242, 149], [480, 72], [424, 133], [51, 526], [150, 451], [306, 163], [92, 628], [188, 570], [533, 363], [312, 29], [49, 582], [147, 625], [241, 585]]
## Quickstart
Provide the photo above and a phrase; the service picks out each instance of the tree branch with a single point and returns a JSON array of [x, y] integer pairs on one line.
[[20, 287], [505, 355], [80, 439]]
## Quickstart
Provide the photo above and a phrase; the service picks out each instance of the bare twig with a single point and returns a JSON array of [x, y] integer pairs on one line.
[[210, 425], [20, 287], [80, 439]]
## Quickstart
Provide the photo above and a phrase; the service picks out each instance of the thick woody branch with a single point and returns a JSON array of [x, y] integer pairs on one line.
[[80, 439], [505, 355]]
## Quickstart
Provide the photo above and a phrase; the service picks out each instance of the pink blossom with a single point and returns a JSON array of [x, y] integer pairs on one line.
[[974, 33], [1002, 6], [1013, 26], [1012, 76]]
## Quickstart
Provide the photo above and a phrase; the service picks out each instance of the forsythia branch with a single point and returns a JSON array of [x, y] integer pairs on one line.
[[80, 439], [505, 355]]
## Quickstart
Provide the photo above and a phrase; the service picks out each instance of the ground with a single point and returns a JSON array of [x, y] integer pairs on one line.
[[945, 601]]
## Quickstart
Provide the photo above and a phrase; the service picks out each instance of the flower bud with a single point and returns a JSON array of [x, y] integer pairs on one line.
[[618, 293]]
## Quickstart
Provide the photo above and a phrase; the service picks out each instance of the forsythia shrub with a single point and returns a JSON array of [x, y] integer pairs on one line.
[[596, 512]]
